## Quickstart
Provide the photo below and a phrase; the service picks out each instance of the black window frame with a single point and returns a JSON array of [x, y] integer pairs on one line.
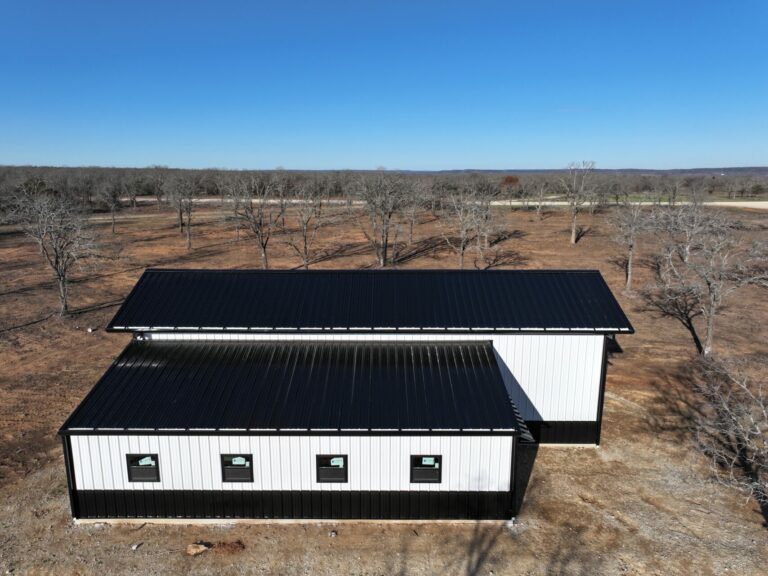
[[335, 478], [415, 458], [133, 469], [225, 468]]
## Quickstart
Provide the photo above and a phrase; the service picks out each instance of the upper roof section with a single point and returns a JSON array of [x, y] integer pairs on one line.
[[365, 300]]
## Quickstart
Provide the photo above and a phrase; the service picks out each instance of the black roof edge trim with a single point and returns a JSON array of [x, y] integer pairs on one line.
[[376, 270], [127, 299], [64, 427], [502, 331], [196, 432]]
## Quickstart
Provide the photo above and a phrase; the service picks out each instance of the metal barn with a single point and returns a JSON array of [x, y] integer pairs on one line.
[[337, 394]]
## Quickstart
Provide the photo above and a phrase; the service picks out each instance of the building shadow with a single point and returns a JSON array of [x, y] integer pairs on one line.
[[524, 461], [515, 391]]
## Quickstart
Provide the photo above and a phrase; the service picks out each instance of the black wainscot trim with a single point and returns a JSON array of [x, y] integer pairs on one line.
[[246, 504]]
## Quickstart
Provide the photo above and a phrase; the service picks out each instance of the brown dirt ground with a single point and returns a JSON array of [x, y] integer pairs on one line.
[[642, 503]]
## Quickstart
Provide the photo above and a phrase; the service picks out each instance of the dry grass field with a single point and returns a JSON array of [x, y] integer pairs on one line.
[[641, 503]]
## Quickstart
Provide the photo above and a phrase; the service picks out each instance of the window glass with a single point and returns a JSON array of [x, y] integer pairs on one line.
[[426, 469], [331, 468], [143, 468], [236, 467]]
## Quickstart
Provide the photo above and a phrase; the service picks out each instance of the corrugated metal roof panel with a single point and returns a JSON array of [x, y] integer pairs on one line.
[[371, 300], [163, 385]]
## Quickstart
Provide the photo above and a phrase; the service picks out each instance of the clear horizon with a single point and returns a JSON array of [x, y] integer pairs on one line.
[[408, 86]]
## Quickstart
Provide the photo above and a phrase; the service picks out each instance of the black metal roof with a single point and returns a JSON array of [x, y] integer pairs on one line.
[[292, 386], [364, 300]]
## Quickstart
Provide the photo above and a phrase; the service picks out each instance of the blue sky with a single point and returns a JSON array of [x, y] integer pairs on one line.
[[360, 84]]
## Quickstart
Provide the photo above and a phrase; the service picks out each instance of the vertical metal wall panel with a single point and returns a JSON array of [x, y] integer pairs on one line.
[[550, 377], [287, 463]]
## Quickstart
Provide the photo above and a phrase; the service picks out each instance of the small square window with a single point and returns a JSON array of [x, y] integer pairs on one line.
[[143, 468], [237, 467], [426, 469], [331, 468]]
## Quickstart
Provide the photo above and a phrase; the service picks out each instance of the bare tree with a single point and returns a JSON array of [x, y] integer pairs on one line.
[[485, 191], [181, 191], [539, 189], [420, 191], [260, 208], [108, 194], [459, 218], [384, 197], [630, 220], [731, 425], [700, 263], [232, 197], [513, 188], [172, 194], [672, 187], [157, 179], [53, 220], [577, 190], [467, 214], [309, 197]]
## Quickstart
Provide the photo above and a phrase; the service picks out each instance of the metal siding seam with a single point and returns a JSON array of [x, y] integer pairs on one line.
[[91, 480], [99, 464], [294, 462], [395, 444], [306, 460], [464, 465], [113, 456], [274, 463], [572, 380], [587, 396], [265, 474], [538, 375], [206, 470], [454, 467], [555, 371], [567, 372]]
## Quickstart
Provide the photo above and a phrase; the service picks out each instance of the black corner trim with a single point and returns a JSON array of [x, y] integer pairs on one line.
[[601, 398], [66, 443]]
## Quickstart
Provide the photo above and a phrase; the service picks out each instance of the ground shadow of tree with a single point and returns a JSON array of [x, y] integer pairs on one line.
[[342, 250], [425, 247], [583, 232], [674, 409], [475, 550], [398, 564], [497, 258], [677, 410], [574, 556]]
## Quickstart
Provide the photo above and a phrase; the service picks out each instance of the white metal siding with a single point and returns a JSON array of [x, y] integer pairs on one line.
[[470, 463], [549, 376]]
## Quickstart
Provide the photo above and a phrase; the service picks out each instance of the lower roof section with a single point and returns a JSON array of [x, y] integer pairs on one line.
[[299, 386]]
